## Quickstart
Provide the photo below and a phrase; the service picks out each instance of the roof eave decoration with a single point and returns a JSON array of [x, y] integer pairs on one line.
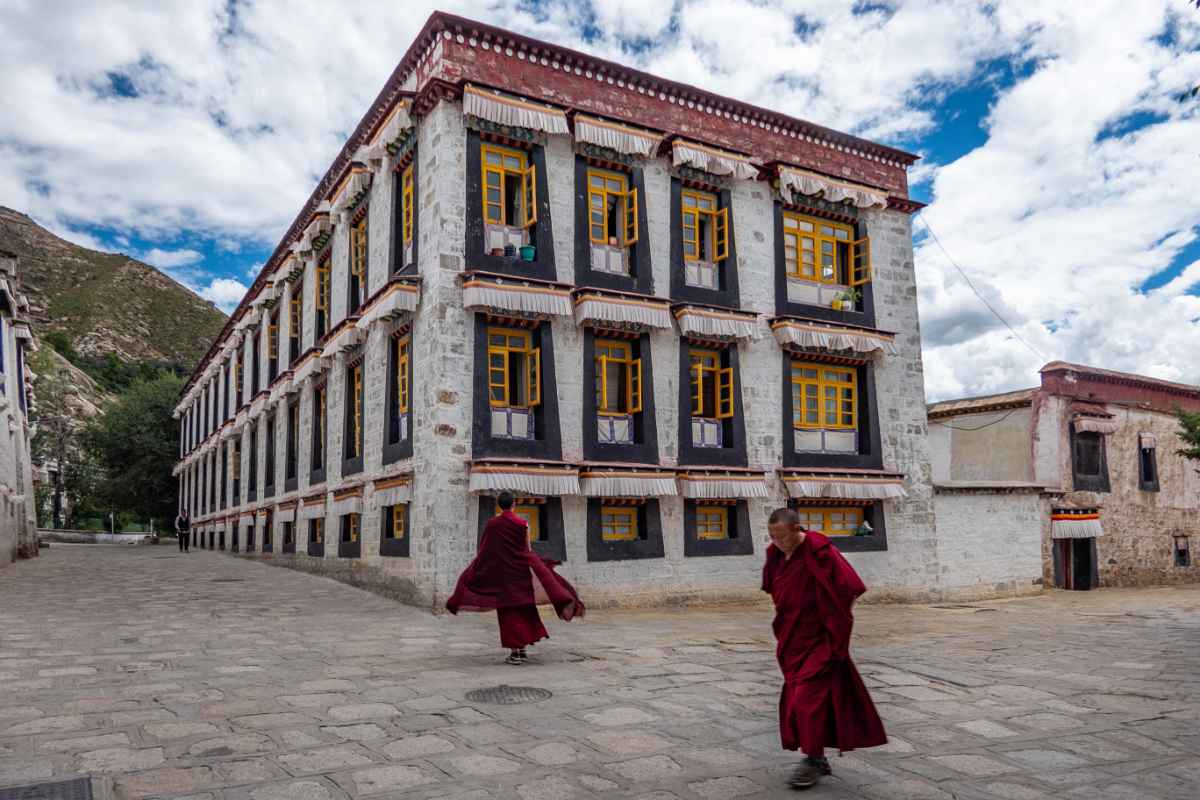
[[813, 184], [284, 385], [519, 295], [712, 323], [1075, 523], [344, 339], [551, 480], [806, 334], [621, 138], [712, 160], [318, 230], [639, 312], [351, 191], [514, 112], [309, 367], [844, 486], [399, 298], [721, 485], [606, 481], [377, 150]]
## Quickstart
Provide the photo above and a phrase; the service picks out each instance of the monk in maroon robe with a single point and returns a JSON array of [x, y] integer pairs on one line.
[[508, 576], [824, 701]]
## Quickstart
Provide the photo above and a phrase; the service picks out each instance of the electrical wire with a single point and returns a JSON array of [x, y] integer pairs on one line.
[[981, 427], [982, 299]]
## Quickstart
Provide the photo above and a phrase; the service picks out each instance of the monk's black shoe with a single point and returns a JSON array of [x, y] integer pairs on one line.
[[809, 773]]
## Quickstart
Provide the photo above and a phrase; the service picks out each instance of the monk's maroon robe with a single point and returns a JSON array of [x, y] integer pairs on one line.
[[508, 576], [824, 701]]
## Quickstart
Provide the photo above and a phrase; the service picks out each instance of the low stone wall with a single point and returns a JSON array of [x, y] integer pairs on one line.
[[990, 541], [93, 537]]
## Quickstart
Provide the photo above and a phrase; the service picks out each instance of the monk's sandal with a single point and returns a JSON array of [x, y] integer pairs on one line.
[[516, 657], [809, 773]]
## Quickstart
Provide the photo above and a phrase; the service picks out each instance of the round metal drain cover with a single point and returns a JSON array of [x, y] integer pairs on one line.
[[509, 695]]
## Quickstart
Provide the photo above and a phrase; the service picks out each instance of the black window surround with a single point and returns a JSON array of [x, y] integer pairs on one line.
[[640, 279], [250, 537], [870, 448], [315, 549], [1089, 461], [224, 476], [874, 516], [396, 257], [644, 449], [553, 543], [733, 433], [352, 465], [389, 545], [234, 536], [1147, 469], [397, 448], [288, 543], [269, 446], [268, 542], [784, 308], [741, 538], [356, 295], [320, 438], [649, 543], [726, 294], [347, 548], [252, 485], [542, 267], [547, 442], [292, 454]]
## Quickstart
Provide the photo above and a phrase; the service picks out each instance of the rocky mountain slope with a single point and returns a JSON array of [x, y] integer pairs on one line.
[[105, 302]]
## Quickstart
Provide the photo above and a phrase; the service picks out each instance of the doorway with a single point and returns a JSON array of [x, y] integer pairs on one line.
[[1075, 564]]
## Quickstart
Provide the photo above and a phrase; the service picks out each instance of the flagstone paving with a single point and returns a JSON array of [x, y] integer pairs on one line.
[[210, 676]]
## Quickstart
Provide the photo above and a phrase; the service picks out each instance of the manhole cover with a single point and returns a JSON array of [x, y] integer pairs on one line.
[[226, 580], [77, 789], [509, 695]]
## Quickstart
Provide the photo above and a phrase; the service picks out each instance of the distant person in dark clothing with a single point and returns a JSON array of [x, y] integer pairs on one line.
[[183, 530]]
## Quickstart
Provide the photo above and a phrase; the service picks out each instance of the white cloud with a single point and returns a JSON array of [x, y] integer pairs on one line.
[[224, 293], [170, 259]]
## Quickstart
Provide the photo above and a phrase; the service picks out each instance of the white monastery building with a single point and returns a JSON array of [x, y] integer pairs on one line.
[[17, 516], [653, 313]]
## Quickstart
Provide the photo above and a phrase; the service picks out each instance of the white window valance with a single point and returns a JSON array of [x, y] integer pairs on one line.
[[622, 138], [21, 331], [356, 183], [715, 323], [397, 299], [1147, 441], [525, 479], [513, 111], [814, 335], [348, 505], [599, 307], [523, 297], [835, 191], [722, 485], [312, 511], [287, 514], [844, 486], [393, 491], [247, 518], [627, 483], [1094, 425], [343, 340], [1075, 524], [397, 122], [319, 228], [712, 160]]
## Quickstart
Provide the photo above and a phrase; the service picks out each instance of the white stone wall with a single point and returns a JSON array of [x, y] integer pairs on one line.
[[990, 542], [17, 504]]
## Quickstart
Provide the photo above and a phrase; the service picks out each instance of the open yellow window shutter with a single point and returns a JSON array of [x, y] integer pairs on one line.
[[635, 386], [535, 376], [725, 393], [860, 262], [529, 195], [698, 397], [631, 217], [721, 225], [603, 383]]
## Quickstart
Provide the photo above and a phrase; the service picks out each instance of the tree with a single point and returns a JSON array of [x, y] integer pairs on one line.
[[1189, 432], [136, 442]]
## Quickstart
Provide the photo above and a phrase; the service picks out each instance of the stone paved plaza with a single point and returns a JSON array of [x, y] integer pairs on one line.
[[211, 676]]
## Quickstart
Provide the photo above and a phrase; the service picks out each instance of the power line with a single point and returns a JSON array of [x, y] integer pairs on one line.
[[982, 299], [978, 428]]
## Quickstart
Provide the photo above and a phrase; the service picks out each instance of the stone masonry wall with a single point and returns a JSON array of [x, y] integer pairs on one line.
[[990, 542]]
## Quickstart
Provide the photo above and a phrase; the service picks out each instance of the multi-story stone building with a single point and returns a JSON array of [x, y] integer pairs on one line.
[[18, 519], [1120, 505], [653, 313]]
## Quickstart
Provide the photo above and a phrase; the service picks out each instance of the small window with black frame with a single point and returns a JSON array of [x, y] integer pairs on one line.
[[349, 545], [272, 347], [826, 264], [717, 527], [509, 198], [393, 534], [618, 381], [1089, 460], [712, 393], [406, 214], [292, 454], [269, 458], [1147, 463], [514, 382], [612, 220], [359, 255], [321, 306], [320, 428], [1183, 556], [295, 322], [316, 537], [288, 537], [354, 425], [705, 234], [252, 492]]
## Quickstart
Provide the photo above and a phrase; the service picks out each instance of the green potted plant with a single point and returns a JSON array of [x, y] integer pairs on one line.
[[848, 300]]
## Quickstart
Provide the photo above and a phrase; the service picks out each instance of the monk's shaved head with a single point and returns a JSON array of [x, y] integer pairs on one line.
[[504, 500], [785, 516]]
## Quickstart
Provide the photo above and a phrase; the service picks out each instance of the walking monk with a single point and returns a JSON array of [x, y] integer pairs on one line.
[[824, 702], [508, 576]]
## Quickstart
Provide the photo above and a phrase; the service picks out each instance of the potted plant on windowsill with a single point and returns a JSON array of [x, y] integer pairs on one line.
[[847, 300]]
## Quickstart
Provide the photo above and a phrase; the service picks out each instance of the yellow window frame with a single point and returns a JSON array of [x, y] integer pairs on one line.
[[495, 212], [402, 367], [358, 251], [618, 523], [273, 339], [811, 395], [618, 353], [353, 524], [399, 520], [706, 365], [611, 185], [356, 373], [832, 521], [693, 205], [500, 380], [532, 516], [804, 234], [406, 191], [322, 287], [295, 309], [318, 530], [712, 522]]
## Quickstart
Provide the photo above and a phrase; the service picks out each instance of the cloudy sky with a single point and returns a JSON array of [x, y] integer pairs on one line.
[[1060, 168]]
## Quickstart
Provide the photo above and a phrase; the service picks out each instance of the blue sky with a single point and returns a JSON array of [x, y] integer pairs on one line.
[[1059, 167]]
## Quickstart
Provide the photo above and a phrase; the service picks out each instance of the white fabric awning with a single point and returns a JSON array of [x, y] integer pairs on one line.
[[393, 491], [722, 485], [1074, 524], [344, 339], [513, 294], [348, 505], [1094, 425], [604, 482], [835, 191], [601, 307], [247, 518], [396, 123], [1147, 441], [356, 183], [397, 299], [708, 323], [21, 331], [815, 335], [622, 138], [712, 160], [285, 514], [525, 479], [513, 111], [836, 486], [313, 511]]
